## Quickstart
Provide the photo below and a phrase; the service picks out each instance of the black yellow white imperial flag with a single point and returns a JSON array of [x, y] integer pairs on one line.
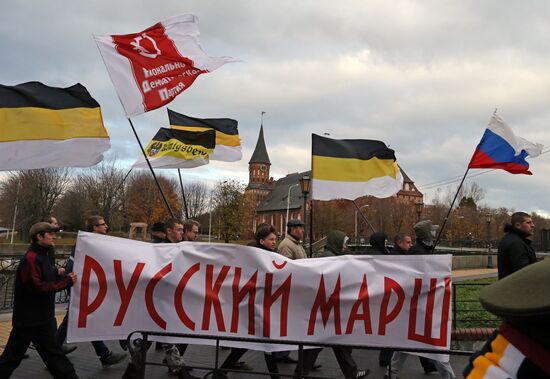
[[42, 126], [228, 142], [351, 168], [172, 148]]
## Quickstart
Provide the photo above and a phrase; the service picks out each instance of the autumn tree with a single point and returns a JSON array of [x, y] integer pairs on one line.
[[144, 202], [228, 201]]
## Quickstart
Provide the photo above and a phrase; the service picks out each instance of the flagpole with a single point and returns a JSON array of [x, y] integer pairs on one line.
[[183, 196], [123, 180], [151, 168], [364, 217], [450, 209]]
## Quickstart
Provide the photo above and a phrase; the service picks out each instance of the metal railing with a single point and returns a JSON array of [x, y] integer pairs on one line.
[[8, 269], [138, 348]]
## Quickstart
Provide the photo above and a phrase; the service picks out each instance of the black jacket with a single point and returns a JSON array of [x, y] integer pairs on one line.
[[514, 252], [420, 248], [36, 283]]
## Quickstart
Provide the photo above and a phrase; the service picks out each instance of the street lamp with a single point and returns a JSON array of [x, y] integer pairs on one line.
[[488, 219], [288, 204], [305, 183], [419, 206], [356, 234]]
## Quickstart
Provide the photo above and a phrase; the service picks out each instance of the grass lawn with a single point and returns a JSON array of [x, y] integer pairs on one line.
[[469, 313]]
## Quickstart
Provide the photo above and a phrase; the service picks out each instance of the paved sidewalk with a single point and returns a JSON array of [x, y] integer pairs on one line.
[[89, 367]]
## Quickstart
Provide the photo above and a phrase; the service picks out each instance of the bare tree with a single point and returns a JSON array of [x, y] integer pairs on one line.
[[196, 198], [34, 192]]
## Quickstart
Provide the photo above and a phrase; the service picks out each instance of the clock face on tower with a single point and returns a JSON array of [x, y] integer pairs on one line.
[[263, 168]]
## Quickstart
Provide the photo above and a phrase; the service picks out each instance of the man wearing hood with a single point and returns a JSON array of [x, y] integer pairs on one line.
[[378, 242], [515, 250], [425, 236]]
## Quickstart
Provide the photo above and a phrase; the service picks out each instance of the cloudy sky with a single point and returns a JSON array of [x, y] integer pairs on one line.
[[422, 76]]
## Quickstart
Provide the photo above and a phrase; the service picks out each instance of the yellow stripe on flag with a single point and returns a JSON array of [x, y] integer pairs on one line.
[[352, 170], [221, 138], [30, 123]]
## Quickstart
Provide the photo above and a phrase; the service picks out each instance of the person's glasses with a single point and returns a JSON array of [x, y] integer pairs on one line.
[[101, 224]]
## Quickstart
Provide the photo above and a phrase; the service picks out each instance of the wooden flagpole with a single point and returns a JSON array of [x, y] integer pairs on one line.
[[151, 169]]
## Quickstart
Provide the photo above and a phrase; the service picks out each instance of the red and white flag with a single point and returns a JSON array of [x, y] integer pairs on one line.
[[150, 68]]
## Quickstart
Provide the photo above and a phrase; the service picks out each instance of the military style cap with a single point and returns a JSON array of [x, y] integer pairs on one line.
[[43, 227], [524, 294], [423, 230], [294, 222]]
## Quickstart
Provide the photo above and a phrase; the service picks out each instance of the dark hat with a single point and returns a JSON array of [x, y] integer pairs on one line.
[[523, 295], [43, 227], [423, 230], [158, 227], [294, 222]]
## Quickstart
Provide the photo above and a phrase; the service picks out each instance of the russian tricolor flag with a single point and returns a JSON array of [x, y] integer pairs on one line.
[[501, 148]]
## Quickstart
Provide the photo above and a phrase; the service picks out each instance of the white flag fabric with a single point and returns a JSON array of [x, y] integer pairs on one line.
[[240, 291], [150, 68]]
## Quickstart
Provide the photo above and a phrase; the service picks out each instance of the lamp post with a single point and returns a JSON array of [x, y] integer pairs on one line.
[[356, 224], [288, 205], [488, 219], [419, 206], [305, 183]]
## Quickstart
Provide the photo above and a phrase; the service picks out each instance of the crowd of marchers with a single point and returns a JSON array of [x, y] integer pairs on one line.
[[520, 298]]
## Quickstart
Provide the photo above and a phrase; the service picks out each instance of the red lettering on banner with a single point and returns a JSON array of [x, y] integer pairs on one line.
[[428, 321], [270, 298], [178, 296], [362, 301], [390, 286], [85, 309], [326, 307], [238, 295], [125, 292], [149, 304], [212, 298]]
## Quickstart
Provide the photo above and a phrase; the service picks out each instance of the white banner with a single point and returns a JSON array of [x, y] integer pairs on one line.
[[233, 290]]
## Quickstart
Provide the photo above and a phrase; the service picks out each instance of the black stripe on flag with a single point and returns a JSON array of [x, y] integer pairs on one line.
[[224, 125], [363, 149], [206, 138], [38, 95]]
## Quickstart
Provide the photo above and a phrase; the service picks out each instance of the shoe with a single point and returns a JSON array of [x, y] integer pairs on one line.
[[287, 359], [112, 359], [68, 349], [429, 370], [362, 373], [316, 367]]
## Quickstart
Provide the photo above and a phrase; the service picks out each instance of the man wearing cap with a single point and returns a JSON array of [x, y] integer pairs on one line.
[[94, 224], [515, 250], [291, 246], [33, 320], [425, 236], [520, 348]]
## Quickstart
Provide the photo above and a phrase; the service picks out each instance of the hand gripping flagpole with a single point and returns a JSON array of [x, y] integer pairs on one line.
[[450, 209], [151, 168]]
